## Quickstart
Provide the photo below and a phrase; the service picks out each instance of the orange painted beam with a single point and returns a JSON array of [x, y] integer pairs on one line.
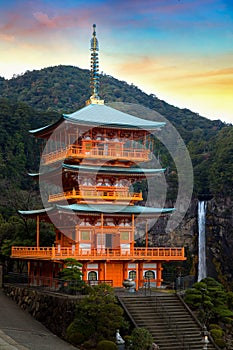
[[137, 254]]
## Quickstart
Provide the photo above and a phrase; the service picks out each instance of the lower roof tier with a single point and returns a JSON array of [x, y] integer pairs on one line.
[[93, 209]]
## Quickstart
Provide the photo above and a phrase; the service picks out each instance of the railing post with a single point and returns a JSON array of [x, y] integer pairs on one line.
[[53, 252]]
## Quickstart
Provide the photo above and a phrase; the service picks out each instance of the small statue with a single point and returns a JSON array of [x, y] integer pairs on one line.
[[119, 339]]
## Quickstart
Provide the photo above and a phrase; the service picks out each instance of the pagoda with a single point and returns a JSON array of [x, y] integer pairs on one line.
[[90, 162]]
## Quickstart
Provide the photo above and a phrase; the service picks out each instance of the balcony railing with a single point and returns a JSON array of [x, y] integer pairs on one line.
[[45, 253], [73, 151], [92, 193]]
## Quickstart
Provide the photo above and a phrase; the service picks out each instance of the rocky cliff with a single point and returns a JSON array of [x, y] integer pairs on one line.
[[219, 238]]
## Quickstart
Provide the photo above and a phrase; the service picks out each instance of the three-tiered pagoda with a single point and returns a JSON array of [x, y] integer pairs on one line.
[[90, 161]]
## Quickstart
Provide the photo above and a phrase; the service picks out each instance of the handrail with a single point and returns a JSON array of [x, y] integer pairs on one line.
[[95, 193], [127, 311], [98, 253], [177, 330], [196, 319], [81, 152]]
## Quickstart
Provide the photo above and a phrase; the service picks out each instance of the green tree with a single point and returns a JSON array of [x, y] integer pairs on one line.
[[97, 316], [71, 275], [212, 303], [71, 271]]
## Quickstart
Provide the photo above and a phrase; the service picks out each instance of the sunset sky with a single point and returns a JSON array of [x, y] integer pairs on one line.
[[179, 50]]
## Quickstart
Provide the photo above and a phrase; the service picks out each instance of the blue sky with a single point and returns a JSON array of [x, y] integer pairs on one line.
[[179, 50]]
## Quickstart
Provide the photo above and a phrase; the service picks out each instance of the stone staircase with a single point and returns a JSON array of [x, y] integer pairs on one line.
[[168, 320]]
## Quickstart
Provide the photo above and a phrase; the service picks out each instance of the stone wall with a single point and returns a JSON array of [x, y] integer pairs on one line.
[[55, 311]]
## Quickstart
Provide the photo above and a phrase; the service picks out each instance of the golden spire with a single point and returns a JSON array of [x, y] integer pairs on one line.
[[94, 99]]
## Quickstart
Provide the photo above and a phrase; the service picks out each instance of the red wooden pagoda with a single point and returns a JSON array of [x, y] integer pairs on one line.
[[90, 160]]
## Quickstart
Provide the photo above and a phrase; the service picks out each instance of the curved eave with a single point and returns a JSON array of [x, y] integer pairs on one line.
[[35, 175], [114, 125], [114, 170], [46, 130], [97, 209], [109, 117], [105, 116], [114, 209], [34, 213], [138, 172]]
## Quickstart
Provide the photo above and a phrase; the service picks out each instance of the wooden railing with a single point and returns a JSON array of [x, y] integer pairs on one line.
[[45, 253], [79, 152], [109, 193]]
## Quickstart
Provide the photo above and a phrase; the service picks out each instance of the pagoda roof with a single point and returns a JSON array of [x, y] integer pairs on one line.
[[115, 170], [100, 208], [97, 114], [115, 209], [104, 116]]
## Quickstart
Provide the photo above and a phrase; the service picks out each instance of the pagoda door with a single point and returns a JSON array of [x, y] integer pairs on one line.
[[108, 240]]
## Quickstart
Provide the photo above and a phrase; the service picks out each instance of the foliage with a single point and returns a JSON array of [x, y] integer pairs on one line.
[[213, 305], [72, 270], [217, 335], [98, 315], [141, 339], [210, 297], [38, 98], [71, 277], [15, 231], [106, 345]]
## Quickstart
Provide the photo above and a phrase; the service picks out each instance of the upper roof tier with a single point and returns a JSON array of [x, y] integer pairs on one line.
[[95, 114], [104, 116]]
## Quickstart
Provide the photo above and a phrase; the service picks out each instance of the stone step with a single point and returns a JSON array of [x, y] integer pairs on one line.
[[146, 314]]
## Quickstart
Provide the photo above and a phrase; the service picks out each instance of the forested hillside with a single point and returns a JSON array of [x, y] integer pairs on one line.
[[39, 97]]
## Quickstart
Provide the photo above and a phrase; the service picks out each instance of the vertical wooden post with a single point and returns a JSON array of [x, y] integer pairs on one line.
[[29, 273], [102, 271], [37, 231], [84, 271], [125, 270], [146, 236], [145, 140], [140, 274], [159, 273], [102, 230], [133, 230]]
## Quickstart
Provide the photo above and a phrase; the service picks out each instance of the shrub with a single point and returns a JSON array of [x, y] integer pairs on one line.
[[217, 335], [106, 345], [141, 339], [128, 341], [214, 326], [89, 344], [73, 335]]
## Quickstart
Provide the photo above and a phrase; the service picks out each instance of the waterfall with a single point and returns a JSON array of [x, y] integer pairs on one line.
[[201, 240]]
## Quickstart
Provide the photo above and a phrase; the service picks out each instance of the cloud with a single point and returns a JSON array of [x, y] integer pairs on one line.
[[213, 73], [44, 19], [7, 37]]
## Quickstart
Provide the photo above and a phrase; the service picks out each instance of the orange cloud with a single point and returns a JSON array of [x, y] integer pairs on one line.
[[7, 37]]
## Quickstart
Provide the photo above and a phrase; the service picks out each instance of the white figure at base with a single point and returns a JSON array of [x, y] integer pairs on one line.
[[119, 339]]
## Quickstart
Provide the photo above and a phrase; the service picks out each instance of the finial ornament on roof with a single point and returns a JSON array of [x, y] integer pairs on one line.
[[94, 99]]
